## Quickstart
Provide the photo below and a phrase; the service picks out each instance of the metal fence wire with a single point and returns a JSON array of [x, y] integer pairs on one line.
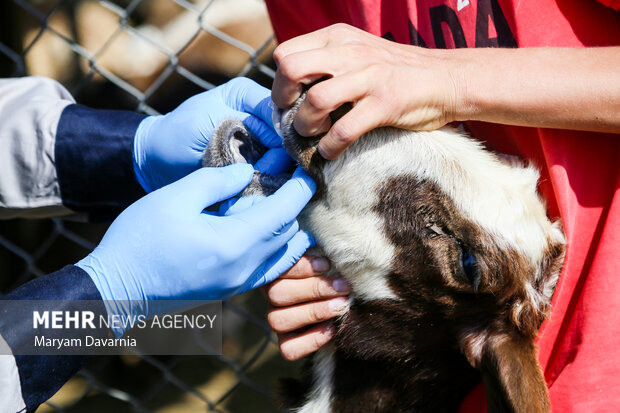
[[147, 56]]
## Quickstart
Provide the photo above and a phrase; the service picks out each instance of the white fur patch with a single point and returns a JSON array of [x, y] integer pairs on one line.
[[351, 235], [500, 198], [319, 400]]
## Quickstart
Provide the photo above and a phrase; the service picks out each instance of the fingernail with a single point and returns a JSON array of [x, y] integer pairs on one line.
[[338, 305], [320, 264], [341, 285], [323, 128]]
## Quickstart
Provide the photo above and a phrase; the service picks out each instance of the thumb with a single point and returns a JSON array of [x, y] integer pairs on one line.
[[278, 210], [253, 98], [274, 162], [207, 186], [282, 260]]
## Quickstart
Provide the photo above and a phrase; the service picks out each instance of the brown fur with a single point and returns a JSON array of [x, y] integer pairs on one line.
[[421, 353], [418, 354], [449, 327]]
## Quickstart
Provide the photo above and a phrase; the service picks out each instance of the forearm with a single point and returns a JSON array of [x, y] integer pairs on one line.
[[540, 87], [59, 158], [29, 380]]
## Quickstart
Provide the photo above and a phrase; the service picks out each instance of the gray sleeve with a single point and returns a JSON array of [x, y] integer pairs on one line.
[[11, 399], [30, 109]]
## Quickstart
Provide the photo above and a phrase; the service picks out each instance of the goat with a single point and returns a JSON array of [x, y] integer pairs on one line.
[[452, 262]]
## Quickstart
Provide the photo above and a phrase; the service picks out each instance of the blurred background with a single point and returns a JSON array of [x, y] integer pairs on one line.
[[146, 56]]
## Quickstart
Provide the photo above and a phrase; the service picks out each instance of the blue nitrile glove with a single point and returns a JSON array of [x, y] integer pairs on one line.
[[163, 247], [168, 147]]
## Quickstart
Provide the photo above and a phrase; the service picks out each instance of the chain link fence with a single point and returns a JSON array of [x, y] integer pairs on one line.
[[147, 56]]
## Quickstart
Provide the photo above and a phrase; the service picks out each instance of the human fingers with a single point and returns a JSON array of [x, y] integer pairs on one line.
[[276, 211], [263, 131], [263, 109], [307, 266], [245, 95], [362, 118], [307, 58], [295, 346], [290, 318], [286, 292], [304, 68], [274, 162], [327, 96], [308, 41], [235, 205], [336, 33], [207, 186], [284, 259]]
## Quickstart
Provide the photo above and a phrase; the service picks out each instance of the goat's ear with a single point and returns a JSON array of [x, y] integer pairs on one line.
[[553, 261], [232, 142], [511, 374]]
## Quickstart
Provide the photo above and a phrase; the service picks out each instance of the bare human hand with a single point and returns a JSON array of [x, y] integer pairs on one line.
[[388, 83], [303, 303], [391, 84]]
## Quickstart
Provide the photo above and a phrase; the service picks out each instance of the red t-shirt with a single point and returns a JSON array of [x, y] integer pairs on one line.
[[580, 171]]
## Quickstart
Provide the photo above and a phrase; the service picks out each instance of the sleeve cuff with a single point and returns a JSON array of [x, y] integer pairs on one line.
[[40, 376], [94, 160]]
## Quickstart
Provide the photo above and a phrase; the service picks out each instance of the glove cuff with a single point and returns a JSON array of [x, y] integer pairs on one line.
[[118, 301], [140, 159]]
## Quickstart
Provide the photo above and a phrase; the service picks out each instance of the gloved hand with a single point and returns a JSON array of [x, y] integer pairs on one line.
[[163, 247], [168, 147]]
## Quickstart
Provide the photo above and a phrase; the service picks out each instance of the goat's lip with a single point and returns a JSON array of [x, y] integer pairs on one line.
[[278, 115]]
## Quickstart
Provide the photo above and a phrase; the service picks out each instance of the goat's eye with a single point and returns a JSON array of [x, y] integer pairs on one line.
[[470, 269]]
